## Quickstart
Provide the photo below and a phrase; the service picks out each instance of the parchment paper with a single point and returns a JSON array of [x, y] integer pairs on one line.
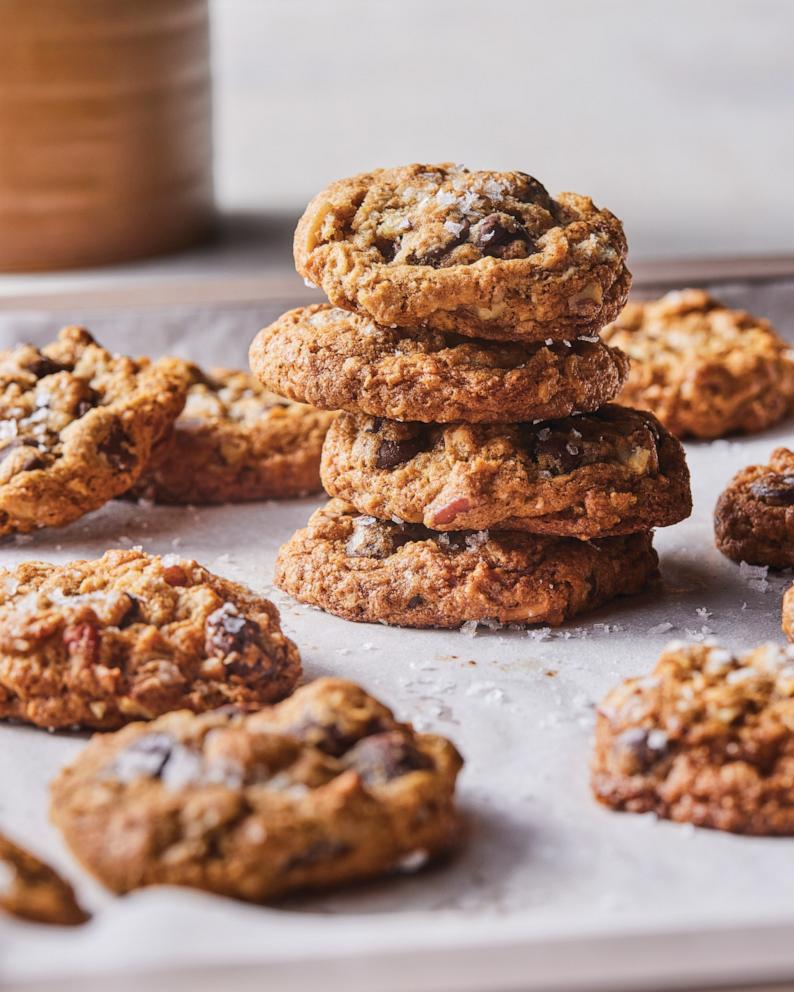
[[544, 867]]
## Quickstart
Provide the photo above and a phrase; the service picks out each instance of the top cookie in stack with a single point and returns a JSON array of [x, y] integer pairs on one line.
[[460, 341]]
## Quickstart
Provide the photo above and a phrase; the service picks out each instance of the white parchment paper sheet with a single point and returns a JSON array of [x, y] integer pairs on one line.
[[543, 866]]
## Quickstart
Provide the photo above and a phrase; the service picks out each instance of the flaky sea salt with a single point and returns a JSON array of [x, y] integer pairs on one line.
[[661, 628], [469, 628]]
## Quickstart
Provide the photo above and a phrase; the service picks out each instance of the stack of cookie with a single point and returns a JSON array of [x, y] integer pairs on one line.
[[478, 475]]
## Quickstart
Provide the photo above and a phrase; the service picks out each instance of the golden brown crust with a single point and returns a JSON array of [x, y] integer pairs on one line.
[[236, 442], [704, 370], [788, 613], [707, 738], [485, 254], [754, 516], [340, 361], [31, 890], [322, 789], [131, 635], [617, 471], [373, 571], [77, 426]]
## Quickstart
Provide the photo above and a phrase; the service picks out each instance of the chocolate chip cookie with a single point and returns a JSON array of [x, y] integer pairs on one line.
[[486, 254], [613, 472], [754, 517], [31, 890], [234, 442], [320, 790], [703, 369], [130, 636], [77, 426], [340, 361], [378, 571], [707, 738]]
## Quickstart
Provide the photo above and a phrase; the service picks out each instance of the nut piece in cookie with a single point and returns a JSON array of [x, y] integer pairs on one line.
[[77, 426], [235, 441], [485, 254], [341, 361], [130, 636], [377, 571], [615, 471], [705, 370], [754, 516], [31, 890], [323, 789], [706, 738]]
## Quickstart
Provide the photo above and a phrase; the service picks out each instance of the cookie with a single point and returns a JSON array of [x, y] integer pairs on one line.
[[754, 516], [788, 613], [340, 361], [77, 426], [377, 571], [31, 890], [235, 442], [323, 789], [613, 472], [130, 636], [707, 738], [485, 254], [703, 369]]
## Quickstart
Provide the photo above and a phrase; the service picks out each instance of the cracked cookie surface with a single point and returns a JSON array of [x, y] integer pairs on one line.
[[754, 516], [487, 254], [341, 361], [31, 890], [130, 636], [322, 789], [706, 738], [705, 370], [235, 441], [376, 571], [77, 426], [613, 472]]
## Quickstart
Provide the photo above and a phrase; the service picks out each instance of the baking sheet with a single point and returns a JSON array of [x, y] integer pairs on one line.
[[551, 890]]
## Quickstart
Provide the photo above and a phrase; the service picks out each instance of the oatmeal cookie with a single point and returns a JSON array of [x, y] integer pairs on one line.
[[77, 426], [754, 517], [613, 472], [340, 361], [377, 571], [234, 442], [788, 613], [703, 369], [320, 790], [130, 636], [486, 254], [707, 738], [31, 890]]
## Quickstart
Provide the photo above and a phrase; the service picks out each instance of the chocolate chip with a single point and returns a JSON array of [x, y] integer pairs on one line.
[[315, 730], [414, 602], [375, 425], [87, 403], [556, 452], [494, 234], [533, 191], [388, 248], [227, 633], [439, 255], [43, 365], [384, 757], [637, 750], [393, 453], [378, 539], [145, 757], [116, 448], [132, 614], [774, 490]]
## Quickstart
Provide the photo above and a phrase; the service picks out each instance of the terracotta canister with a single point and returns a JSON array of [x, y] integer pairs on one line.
[[105, 130]]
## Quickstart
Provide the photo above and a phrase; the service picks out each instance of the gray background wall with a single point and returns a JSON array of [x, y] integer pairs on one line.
[[677, 114]]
